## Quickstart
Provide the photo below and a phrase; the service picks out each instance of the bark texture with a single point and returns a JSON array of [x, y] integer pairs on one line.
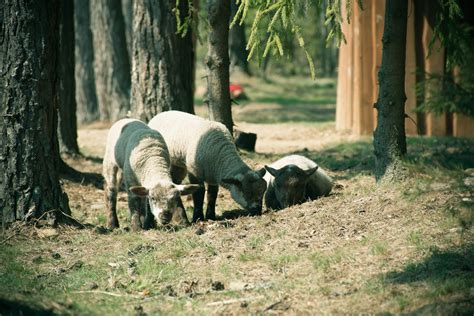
[[67, 130], [29, 153], [86, 97], [111, 60], [389, 136], [162, 61], [217, 62], [127, 9], [237, 42]]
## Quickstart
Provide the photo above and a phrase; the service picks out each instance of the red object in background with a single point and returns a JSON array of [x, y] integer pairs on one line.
[[235, 90]]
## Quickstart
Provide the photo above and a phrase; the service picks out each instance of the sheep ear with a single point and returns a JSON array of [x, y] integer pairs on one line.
[[262, 172], [231, 181], [311, 171], [185, 189], [272, 171], [140, 191]]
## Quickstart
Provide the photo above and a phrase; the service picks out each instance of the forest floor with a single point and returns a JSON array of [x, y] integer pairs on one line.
[[367, 248]]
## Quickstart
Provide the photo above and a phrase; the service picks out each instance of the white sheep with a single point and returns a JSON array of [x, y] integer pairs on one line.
[[140, 154], [206, 151], [294, 179]]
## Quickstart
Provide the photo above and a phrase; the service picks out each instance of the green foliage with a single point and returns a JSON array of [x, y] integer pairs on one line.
[[277, 19], [452, 33], [184, 23], [441, 93]]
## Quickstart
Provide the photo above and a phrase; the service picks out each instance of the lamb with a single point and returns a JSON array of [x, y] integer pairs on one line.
[[140, 154], [206, 152], [293, 180]]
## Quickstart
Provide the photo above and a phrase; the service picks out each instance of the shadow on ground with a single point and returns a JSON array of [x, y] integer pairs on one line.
[[14, 308], [438, 267], [447, 272], [357, 158]]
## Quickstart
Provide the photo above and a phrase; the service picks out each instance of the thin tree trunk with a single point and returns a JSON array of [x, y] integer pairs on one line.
[[111, 60], [163, 61], [237, 43], [67, 130], [127, 9], [86, 97], [389, 136], [29, 155], [217, 62]]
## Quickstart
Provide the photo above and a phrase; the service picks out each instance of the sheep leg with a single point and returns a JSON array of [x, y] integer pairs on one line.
[[110, 193], [135, 204], [180, 217], [149, 220], [198, 199], [211, 201]]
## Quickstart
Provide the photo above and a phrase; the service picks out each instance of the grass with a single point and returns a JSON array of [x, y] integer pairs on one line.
[[367, 248]]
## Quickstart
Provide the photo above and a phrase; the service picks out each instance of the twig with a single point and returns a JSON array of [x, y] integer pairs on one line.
[[107, 293], [8, 238], [235, 300], [408, 116]]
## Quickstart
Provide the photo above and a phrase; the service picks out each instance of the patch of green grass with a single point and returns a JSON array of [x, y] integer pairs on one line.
[[415, 238], [323, 262], [282, 261], [379, 248], [402, 301], [255, 242], [249, 256]]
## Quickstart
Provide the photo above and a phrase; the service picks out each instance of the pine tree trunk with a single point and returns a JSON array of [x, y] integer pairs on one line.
[[237, 43], [217, 62], [163, 62], [111, 61], [67, 130], [127, 9], [389, 136], [29, 155], [86, 97]]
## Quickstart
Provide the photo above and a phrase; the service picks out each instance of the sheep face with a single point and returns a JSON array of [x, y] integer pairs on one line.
[[290, 183], [164, 200], [248, 189]]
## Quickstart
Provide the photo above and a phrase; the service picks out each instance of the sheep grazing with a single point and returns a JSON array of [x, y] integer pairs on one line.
[[140, 155], [206, 152], [293, 180]]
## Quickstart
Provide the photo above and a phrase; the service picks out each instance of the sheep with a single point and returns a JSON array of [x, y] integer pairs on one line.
[[140, 155], [294, 179], [206, 152]]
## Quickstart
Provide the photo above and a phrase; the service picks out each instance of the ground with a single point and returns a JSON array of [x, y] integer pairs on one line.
[[367, 248]]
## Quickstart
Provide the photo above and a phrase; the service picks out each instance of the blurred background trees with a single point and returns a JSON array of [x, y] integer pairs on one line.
[[138, 58]]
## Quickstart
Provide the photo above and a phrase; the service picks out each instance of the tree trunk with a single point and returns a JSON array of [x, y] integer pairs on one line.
[[389, 136], [163, 61], [217, 62], [67, 130], [237, 43], [29, 154], [86, 97], [111, 60], [127, 9]]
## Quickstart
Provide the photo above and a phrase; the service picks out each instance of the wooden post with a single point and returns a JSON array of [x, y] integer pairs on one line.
[[344, 76], [363, 83], [434, 65]]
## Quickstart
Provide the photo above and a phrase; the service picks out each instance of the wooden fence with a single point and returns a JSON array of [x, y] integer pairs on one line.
[[359, 62]]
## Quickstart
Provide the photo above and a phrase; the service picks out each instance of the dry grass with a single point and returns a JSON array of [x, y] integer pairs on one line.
[[388, 248]]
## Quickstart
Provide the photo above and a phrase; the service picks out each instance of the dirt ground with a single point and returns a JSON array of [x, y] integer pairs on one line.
[[367, 248]]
